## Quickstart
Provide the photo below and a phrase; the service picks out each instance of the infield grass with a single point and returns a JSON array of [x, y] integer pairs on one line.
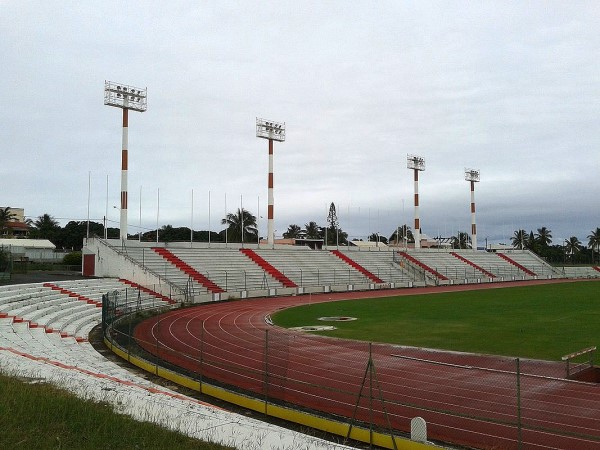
[[541, 321]]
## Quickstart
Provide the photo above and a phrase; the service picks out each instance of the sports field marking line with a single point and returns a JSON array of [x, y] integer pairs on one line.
[[149, 389], [298, 381], [486, 369]]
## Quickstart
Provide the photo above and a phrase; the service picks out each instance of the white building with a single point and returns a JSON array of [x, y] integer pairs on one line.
[[41, 250]]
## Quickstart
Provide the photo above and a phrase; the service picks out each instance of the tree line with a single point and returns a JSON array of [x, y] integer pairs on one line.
[[571, 250], [241, 226]]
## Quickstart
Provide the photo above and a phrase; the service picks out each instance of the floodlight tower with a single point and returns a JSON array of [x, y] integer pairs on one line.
[[273, 131], [473, 176], [124, 97], [417, 164]]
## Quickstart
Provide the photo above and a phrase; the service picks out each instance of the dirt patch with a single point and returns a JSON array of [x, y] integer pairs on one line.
[[337, 319], [314, 328]]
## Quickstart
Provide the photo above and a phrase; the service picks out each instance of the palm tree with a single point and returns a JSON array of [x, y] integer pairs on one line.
[[462, 240], [544, 236], [519, 240], [293, 232], [594, 241], [6, 215], [531, 243], [405, 234], [376, 237], [46, 226], [572, 246], [241, 224], [313, 231]]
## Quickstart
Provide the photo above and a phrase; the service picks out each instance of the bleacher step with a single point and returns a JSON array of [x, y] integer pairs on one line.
[[357, 266]]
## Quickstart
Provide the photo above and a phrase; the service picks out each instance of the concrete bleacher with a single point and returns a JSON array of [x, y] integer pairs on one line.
[[448, 265], [72, 312], [58, 329], [580, 271], [73, 363], [234, 269], [533, 263], [148, 258], [228, 268], [382, 265], [494, 264], [307, 267]]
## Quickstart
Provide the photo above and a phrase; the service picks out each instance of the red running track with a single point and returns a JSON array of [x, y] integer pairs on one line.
[[466, 399]]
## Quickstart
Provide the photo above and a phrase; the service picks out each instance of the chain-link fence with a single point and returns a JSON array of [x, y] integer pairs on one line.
[[468, 400]]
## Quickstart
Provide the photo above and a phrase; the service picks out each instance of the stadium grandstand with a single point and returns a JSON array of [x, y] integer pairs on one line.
[[45, 327], [204, 273]]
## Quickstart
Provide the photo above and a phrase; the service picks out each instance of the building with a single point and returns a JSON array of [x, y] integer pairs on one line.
[[39, 250], [17, 227]]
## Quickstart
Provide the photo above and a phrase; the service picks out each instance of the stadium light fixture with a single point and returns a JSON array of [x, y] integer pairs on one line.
[[417, 164], [273, 131], [127, 98], [268, 129], [472, 175]]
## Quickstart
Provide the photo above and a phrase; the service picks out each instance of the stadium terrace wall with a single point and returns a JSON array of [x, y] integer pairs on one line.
[[108, 262]]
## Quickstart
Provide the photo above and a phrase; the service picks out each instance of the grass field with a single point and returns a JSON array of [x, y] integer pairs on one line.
[[541, 322]]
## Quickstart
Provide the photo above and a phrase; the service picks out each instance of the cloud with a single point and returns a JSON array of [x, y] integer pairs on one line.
[[510, 89]]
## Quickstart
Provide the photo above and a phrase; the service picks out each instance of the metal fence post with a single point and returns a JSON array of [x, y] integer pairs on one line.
[[266, 369], [371, 419], [201, 352], [519, 425], [129, 340], [157, 349]]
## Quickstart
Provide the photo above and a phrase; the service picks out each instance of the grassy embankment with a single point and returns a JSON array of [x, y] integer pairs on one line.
[[42, 416]]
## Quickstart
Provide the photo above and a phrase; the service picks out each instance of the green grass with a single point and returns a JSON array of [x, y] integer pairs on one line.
[[542, 322], [43, 417]]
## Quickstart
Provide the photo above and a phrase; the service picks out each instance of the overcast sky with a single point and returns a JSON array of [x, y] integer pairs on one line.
[[509, 88]]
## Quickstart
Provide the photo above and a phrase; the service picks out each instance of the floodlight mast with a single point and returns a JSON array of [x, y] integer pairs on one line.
[[417, 164], [273, 131], [125, 97], [472, 176]]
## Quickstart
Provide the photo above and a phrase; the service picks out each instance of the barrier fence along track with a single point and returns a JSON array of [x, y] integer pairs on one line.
[[471, 400]]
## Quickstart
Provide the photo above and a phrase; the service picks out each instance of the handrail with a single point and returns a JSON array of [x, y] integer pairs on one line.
[[146, 269]]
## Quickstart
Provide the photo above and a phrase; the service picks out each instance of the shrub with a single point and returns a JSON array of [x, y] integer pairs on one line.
[[4, 260], [72, 259]]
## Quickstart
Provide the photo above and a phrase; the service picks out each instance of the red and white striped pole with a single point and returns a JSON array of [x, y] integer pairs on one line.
[[472, 176], [416, 163], [273, 131], [473, 224], [124, 163], [124, 97], [270, 223], [417, 232]]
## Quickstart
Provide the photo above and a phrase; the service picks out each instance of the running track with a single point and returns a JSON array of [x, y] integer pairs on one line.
[[466, 399]]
